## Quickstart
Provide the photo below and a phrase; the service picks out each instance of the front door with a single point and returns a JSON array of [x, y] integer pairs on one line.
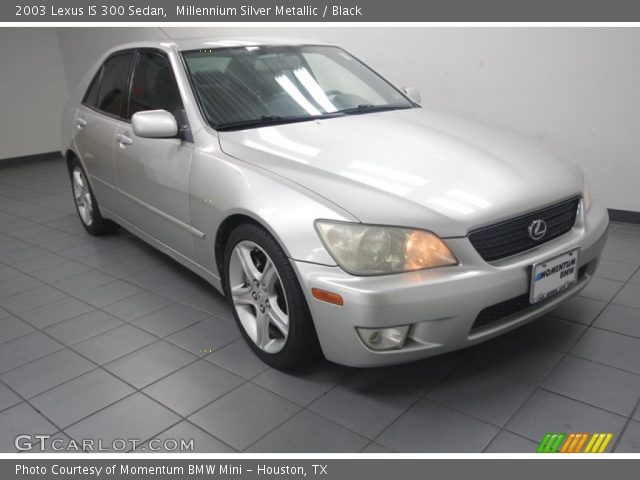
[[153, 173]]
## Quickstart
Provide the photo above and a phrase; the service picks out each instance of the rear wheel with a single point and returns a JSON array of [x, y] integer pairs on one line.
[[267, 300], [86, 204]]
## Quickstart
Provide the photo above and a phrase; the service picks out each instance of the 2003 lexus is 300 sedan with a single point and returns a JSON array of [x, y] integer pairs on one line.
[[336, 215]]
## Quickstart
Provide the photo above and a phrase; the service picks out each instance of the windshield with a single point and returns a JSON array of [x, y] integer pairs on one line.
[[242, 87]]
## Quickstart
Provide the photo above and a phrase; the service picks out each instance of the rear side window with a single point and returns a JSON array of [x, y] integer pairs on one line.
[[91, 97], [108, 90], [154, 86]]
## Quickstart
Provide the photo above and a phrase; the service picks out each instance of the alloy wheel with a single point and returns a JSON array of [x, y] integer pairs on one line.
[[82, 196], [258, 296]]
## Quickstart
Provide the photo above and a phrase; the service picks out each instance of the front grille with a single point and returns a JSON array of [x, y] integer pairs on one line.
[[512, 237], [502, 310]]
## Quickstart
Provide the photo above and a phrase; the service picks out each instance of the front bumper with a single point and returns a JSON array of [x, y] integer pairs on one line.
[[441, 305]]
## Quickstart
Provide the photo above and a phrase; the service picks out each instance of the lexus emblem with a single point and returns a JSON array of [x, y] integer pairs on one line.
[[537, 229]]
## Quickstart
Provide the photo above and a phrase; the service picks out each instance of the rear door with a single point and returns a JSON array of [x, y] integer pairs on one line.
[[96, 122], [153, 173]]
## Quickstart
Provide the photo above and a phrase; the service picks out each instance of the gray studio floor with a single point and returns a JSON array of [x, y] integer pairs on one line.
[[103, 338]]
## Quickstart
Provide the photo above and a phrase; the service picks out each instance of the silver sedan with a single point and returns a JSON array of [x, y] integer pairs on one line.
[[336, 215]]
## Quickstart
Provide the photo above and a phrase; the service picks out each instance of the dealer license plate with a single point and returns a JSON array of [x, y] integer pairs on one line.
[[553, 275]]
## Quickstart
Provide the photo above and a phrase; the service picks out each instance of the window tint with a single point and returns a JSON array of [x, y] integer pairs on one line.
[[154, 86], [91, 97], [240, 85], [113, 84], [333, 74]]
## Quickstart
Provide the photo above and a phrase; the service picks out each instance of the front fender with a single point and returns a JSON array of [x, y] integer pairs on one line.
[[222, 186]]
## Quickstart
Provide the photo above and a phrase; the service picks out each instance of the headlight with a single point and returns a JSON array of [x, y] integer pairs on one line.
[[586, 196], [373, 250]]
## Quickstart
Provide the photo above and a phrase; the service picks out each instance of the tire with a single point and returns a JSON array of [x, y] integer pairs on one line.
[[261, 297], [86, 204]]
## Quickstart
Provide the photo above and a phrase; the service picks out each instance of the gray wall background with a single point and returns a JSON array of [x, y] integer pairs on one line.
[[573, 89], [33, 88]]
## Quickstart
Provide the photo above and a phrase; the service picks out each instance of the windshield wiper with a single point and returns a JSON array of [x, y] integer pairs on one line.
[[266, 120], [368, 108], [253, 122]]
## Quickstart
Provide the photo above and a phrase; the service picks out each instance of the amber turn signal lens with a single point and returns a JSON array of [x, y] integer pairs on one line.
[[425, 250], [328, 297]]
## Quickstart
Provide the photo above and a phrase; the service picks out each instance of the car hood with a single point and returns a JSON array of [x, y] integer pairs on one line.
[[412, 168]]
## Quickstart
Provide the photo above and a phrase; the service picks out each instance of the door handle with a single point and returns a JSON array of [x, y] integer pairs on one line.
[[123, 139], [81, 123]]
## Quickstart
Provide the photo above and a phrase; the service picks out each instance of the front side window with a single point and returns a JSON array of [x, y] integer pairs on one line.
[[154, 86], [112, 85], [255, 85]]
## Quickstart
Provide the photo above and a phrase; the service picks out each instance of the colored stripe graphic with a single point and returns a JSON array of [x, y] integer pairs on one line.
[[551, 442], [598, 443], [553, 447], [543, 443], [591, 443], [606, 441], [555, 442], [574, 442], [569, 443], [596, 446], [581, 443]]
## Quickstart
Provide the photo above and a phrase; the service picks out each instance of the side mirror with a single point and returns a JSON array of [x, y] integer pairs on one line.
[[413, 93], [154, 124]]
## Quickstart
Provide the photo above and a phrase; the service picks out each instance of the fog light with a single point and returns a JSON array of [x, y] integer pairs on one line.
[[384, 338]]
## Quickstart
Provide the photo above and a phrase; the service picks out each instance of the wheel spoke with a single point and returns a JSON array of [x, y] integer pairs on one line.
[[262, 331], [84, 212], [268, 274], [77, 186], [242, 295], [77, 178], [279, 319], [249, 268]]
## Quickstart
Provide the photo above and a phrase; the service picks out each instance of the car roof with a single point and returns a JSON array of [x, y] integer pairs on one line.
[[217, 42], [186, 44]]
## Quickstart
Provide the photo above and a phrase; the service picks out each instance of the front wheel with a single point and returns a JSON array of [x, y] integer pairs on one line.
[[267, 300]]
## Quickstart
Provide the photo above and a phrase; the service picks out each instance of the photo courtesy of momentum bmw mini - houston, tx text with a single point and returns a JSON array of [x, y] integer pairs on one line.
[[338, 216]]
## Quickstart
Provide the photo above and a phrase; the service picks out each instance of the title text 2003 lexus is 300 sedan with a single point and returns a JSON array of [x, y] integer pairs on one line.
[[336, 215]]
